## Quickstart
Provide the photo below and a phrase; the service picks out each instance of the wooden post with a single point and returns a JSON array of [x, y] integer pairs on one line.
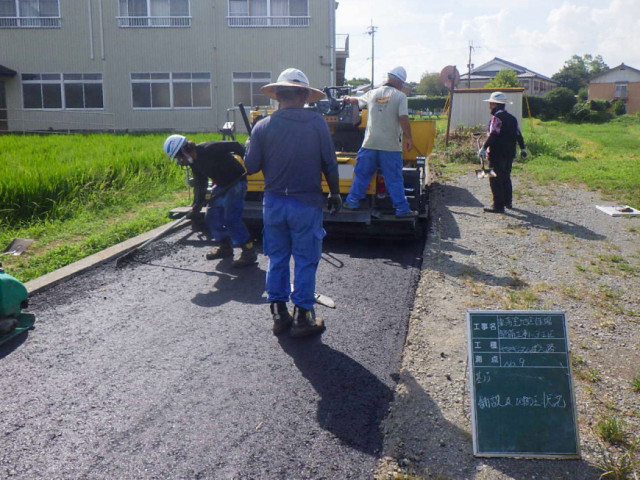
[[452, 77]]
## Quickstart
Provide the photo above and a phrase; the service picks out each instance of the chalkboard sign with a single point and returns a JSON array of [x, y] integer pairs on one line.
[[522, 402]]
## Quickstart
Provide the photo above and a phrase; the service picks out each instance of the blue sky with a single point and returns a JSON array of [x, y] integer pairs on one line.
[[426, 35]]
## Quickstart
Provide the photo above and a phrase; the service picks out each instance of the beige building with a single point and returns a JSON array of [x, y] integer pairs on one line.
[[155, 64], [621, 82], [532, 82]]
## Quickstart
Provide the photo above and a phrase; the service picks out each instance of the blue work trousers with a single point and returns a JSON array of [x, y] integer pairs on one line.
[[224, 216], [292, 227], [391, 165]]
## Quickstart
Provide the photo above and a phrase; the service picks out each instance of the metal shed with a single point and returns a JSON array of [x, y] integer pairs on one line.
[[468, 108]]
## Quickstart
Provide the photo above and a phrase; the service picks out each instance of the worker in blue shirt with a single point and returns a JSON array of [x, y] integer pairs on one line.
[[293, 149]]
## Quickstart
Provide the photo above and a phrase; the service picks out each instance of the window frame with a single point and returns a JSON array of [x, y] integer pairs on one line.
[[61, 82], [152, 21], [251, 80], [622, 86], [171, 81], [267, 21], [31, 21]]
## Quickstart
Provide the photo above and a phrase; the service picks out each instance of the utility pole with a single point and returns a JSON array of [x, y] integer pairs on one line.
[[470, 65], [372, 31]]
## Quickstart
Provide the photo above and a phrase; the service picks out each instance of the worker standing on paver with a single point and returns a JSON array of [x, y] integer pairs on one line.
[[215, 161], [500, 147], [293, 148], [387, 124]]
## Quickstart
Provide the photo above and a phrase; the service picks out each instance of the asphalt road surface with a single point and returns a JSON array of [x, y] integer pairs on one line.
[[166, 368]]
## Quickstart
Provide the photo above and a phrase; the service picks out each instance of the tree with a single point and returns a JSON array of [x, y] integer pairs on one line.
[[356, 82], [505, 78], [578, 70], [430, 85], [561, 101]]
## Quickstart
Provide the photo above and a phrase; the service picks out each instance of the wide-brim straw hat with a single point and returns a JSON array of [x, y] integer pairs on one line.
[[498, 97], [292, 77]]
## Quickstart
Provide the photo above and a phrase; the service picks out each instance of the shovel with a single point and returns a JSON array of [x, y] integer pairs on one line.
[[17, 246], [483, 172]]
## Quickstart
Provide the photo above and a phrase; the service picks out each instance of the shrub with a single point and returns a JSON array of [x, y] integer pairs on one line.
[[540, 146], [539, 108], [583, 94], [593, 111], [560, 101], [598, 105], [423, 103], [619, 107]]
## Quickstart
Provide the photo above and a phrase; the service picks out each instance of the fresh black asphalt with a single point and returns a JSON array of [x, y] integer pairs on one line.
[[166, 368]]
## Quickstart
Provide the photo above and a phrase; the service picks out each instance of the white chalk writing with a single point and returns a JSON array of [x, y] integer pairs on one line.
[[545, 400]]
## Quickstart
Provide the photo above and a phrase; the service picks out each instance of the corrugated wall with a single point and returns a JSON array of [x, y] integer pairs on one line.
[[469, 109]]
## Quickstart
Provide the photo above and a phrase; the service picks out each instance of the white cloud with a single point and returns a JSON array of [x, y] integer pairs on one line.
[[540, 35]]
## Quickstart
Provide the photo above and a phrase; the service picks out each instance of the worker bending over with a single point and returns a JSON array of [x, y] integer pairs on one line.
[[293, 148], [387, 123], [215, 161]]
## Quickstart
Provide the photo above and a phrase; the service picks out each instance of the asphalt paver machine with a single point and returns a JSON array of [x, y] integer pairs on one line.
[[375, 217]]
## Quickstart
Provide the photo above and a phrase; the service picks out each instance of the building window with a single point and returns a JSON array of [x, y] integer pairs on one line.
[[171, 90], [154, 13], [246, 88], [621, 90], [29, 14], [268, 13], [56, 91]]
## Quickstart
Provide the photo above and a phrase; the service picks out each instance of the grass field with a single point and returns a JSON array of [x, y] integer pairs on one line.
[[603, 157]]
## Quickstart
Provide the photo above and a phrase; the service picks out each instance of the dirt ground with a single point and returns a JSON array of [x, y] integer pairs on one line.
[[553, 251]]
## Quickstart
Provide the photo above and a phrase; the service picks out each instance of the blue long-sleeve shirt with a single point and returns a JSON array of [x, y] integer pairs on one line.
[[292, 147]]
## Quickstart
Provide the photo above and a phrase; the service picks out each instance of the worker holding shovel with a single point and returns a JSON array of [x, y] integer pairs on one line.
[[215, 161], [500, 147]]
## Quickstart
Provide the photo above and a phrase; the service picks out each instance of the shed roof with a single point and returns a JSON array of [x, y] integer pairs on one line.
[[7, 72]]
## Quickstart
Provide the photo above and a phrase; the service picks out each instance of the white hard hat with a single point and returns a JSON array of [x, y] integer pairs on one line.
[[497, 97], [399, 72], [292, 77], [173, 144]]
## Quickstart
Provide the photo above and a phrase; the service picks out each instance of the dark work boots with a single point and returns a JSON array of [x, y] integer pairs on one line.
[[282, 319], [305, 323], [222, 250], [249, 256]]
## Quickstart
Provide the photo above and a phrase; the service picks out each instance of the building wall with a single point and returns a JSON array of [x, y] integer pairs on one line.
[[606, 91], [90, 41]]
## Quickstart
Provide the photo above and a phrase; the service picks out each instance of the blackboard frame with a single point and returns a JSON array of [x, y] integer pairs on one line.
[[479, 448]]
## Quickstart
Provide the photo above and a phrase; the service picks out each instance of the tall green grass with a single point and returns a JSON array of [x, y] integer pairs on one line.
[[78, 194], [45, 178]]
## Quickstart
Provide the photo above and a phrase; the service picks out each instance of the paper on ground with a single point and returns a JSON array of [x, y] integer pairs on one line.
[[619, 210]]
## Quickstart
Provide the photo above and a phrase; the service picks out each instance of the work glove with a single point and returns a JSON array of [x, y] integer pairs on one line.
[[334, 203], [482, 153], [523, 153]]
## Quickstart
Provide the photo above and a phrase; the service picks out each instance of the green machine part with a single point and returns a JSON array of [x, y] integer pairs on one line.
[[13, 295]]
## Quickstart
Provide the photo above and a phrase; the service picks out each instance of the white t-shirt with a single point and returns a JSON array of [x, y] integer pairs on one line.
[[385, 104]]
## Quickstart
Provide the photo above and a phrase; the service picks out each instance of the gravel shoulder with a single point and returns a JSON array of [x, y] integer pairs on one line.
[[553, 251]]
